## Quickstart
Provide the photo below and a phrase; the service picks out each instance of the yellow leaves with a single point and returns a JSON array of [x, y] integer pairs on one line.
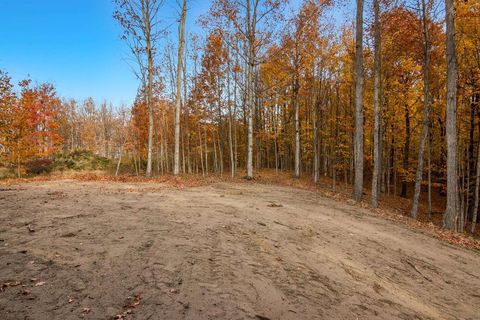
[[468, 41], [407, 175]]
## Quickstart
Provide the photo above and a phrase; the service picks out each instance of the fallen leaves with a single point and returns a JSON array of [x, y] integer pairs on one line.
[[135, 301], [274, 205], [25, 292], [9, 284], [181, 182], [431, 229], [131, 303]]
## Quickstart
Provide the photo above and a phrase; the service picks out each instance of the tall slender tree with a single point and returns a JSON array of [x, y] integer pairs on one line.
[[358, 133], [141, 31], [376, 104], [251, 20], [426, 108], [451, 210], [178, 97]]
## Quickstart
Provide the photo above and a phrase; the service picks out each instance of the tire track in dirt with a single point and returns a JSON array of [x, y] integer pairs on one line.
[[219, 251]]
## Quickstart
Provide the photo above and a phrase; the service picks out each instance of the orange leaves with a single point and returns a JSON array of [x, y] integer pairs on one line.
[[139, 128], [30, 123], [7, 105], [42, 107], [213, 65]]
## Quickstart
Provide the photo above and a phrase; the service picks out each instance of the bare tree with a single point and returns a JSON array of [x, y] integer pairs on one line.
[[141, 31], [250, 37], [178, 97]]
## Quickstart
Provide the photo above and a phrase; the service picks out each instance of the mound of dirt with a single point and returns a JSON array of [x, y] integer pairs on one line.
[[80, 160]]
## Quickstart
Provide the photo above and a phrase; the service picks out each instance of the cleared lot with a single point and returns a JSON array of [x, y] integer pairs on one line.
[[100, 250]]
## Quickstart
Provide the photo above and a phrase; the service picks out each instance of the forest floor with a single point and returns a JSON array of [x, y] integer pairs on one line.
[[73, 249]]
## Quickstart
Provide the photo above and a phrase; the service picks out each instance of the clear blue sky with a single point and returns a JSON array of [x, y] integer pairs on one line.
[[73, 44]]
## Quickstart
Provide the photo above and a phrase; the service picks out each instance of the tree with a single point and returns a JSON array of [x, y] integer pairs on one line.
[[139, 19], [451, 210], [30, 124], [426, 108], [402, 61], [468, 61], [300, 47], [178, 100], [43, 109], [358, 135], [8, 101], [252, 20], [376, 105]]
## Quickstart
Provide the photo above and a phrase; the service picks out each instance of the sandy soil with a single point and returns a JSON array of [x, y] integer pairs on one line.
[[101, 250]]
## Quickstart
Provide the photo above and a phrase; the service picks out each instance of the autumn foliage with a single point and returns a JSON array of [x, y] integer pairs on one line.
[[30, 122], [291, 74]]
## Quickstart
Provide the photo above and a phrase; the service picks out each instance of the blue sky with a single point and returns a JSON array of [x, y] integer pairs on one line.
[[73, 44]]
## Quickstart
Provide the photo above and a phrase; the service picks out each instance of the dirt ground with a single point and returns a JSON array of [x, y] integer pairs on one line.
[[104, 250]]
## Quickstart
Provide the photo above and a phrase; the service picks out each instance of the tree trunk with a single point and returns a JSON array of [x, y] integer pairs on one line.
[[451, 211], [250, 98], [406, 151], [18, 160], [358, 134], [230, 124], [426, 111], [178, 100], [297, 127], [376, 106], [148, 29], [429, 175], [316, 153], [201, 149], [119, 161], [477, 191], [206, 150]]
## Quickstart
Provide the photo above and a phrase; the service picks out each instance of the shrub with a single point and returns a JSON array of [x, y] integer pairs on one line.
[[6, 173], [39, 166]]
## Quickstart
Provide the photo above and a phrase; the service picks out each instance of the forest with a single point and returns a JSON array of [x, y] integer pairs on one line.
[[377, 107], [282, 159]]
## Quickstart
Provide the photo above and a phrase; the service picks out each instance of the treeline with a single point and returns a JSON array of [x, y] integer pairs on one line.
[[36, 124], [287, 91]]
